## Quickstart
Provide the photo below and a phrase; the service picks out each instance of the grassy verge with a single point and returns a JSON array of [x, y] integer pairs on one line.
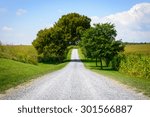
[[21, 53], [140, 84], [13, 73]]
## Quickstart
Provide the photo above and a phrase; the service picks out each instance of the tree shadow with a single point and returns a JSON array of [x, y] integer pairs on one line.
[[92, 65], [75, 60]]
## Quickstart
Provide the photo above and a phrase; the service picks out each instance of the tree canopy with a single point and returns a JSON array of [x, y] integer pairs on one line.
[[52, 43], [99, 42], [72, 26]]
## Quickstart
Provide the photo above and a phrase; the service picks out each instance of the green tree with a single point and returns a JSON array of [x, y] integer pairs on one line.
[[73, 24], [99, 42], [0, 43], [51, 44]]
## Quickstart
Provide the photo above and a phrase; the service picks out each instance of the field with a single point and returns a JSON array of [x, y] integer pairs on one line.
[[141, 84], [18, 64], [22, 53], [137, 49], [136, 61]]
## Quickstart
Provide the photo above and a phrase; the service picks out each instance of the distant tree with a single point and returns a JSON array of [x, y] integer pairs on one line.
[[0, 42], [51, 44], [99, 42], [73, 24]]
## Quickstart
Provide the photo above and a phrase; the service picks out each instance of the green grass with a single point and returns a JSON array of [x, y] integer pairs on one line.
[[13, 73], [22, 53], [140, 84], [18, 64]]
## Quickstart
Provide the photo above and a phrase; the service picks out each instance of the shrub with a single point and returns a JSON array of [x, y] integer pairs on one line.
[[116, 61]]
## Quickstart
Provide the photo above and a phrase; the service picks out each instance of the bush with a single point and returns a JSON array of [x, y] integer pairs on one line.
[[116, 61]]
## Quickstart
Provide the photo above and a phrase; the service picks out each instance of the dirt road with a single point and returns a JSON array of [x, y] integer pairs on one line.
[[74, 82]]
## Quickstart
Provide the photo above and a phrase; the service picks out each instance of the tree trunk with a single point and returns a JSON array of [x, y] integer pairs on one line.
[[101, 63], [107, 62], [96, 61]]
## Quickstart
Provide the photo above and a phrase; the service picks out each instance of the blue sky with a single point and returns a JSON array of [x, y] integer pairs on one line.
[[20, 20]]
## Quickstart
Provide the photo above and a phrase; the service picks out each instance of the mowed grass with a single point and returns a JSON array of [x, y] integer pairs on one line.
[[18, 64], [139, 84], [13, 73]]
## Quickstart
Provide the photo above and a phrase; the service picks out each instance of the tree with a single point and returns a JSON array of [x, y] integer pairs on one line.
[[51, 44], [99, 42], [0, 43], [73, 24]]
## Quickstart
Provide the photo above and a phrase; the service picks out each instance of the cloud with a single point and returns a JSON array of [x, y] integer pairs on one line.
[[132, 25], [20, 12], [7, 29]]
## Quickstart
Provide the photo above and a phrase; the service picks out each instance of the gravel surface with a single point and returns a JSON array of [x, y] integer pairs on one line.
[[73, 82]]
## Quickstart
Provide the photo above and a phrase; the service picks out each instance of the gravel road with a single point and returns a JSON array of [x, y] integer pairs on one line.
[[73, 82]]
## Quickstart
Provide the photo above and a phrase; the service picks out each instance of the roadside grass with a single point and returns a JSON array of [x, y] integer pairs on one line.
[[13, 73], [22, 53], [139, 84]]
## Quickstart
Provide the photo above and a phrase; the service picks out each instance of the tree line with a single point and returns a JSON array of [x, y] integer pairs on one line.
[[97, 42]]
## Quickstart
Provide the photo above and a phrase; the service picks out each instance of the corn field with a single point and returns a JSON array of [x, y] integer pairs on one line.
[[136, 61]]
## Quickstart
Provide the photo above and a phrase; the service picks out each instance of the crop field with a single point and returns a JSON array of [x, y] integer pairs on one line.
[[138, 49], [21, 53], [135, 72], [136, 62]]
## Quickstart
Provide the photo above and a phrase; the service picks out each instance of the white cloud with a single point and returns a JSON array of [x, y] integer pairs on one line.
[[132, 25], [20, 12], [7, 29]]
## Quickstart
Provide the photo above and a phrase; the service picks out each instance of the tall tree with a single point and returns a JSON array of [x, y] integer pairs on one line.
[[72, 25], [99, 42], [52, 43]]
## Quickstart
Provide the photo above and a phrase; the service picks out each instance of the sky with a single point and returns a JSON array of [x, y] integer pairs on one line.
[[20, 20]]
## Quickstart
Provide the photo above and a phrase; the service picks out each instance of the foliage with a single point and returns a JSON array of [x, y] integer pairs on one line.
[[25, 54], [136, 60], [136, 65], [0, 43], [116, 61], [52, 43], [73, 25], [141, 84], [99, 42]]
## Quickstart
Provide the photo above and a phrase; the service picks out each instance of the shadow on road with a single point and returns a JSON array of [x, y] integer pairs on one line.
[[75, 60]]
